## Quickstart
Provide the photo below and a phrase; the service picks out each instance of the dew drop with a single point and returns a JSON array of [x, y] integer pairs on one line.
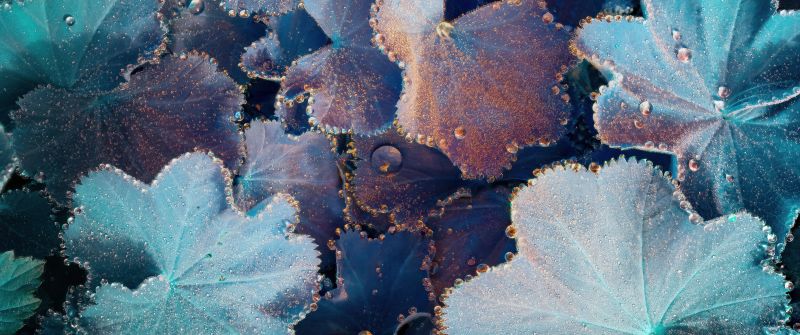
[[676, 35], [724, 92], [460, 133], [196, 6], [511, 232], [645, 108], [649, 144], [638, 124], [694, 165], [69, 20], [387, 159], [509, 256], [482, 268], [547, 18], [729, 178], [684, 55], [788, 285], [695, 218]]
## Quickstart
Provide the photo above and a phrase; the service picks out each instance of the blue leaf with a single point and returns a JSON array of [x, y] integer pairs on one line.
[[19, 279], [711, 82], [165, 110], [73, 43], [615, 253], [405, 179], [26, 226], [218, 271], [291, 36], [210, 29], [471, 235], [381, 284], [352, 86], [481, 87], [304, 167]]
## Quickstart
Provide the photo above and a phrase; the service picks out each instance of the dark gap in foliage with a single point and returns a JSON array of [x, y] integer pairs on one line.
[[789, 5], [455, 8]]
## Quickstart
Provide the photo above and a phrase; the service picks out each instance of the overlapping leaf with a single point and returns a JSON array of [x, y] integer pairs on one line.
[[481, 87], [404, 179], [713, 82], [353, 87], [215, 269], [164, 110], [303, 167], [615, 253], [19, 278], [203, 26], [73, 43], [381, 284], [291, 36]]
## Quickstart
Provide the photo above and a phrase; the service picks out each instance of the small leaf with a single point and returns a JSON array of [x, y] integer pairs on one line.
[[19, 279]]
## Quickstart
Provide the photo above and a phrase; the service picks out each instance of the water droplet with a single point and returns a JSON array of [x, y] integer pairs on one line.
[[196, 6], [645, 108], [460, 133], [638, 124], [511, 232], [724, 92], [694, 165], [387, 159], [788, 285], [509, 256], [547, 18], [594, 167], [695, 218], [684, 55], [482, 268], [69, 20], [729, 178], [649, 144], [676, 35]]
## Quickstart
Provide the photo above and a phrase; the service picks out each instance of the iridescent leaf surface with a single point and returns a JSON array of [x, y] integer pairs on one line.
[[268, 7], [72, 43], [482, 86], [614, 253], [381, 284], [165, 110], [714, 83], [218, 271], [8, 161], [352, 86], [26, 226], [19, 279], [304, 167], [291, 36], [203, 26], [471, 236], [401, 178]]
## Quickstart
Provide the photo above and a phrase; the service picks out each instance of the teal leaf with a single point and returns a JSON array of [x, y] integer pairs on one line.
[[715, 83], [19, 279], [164, 110], [210, 268], [73, 43], [615, 253]]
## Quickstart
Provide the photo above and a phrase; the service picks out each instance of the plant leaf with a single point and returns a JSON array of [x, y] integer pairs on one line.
[[216, 270], [19, 279], [614, 253], [713, 80]]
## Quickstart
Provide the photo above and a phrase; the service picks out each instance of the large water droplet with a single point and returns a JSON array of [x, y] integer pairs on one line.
[[694, 165], [196, 6], [69, 20], [387, 159], [645, 108], [684, 55]]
